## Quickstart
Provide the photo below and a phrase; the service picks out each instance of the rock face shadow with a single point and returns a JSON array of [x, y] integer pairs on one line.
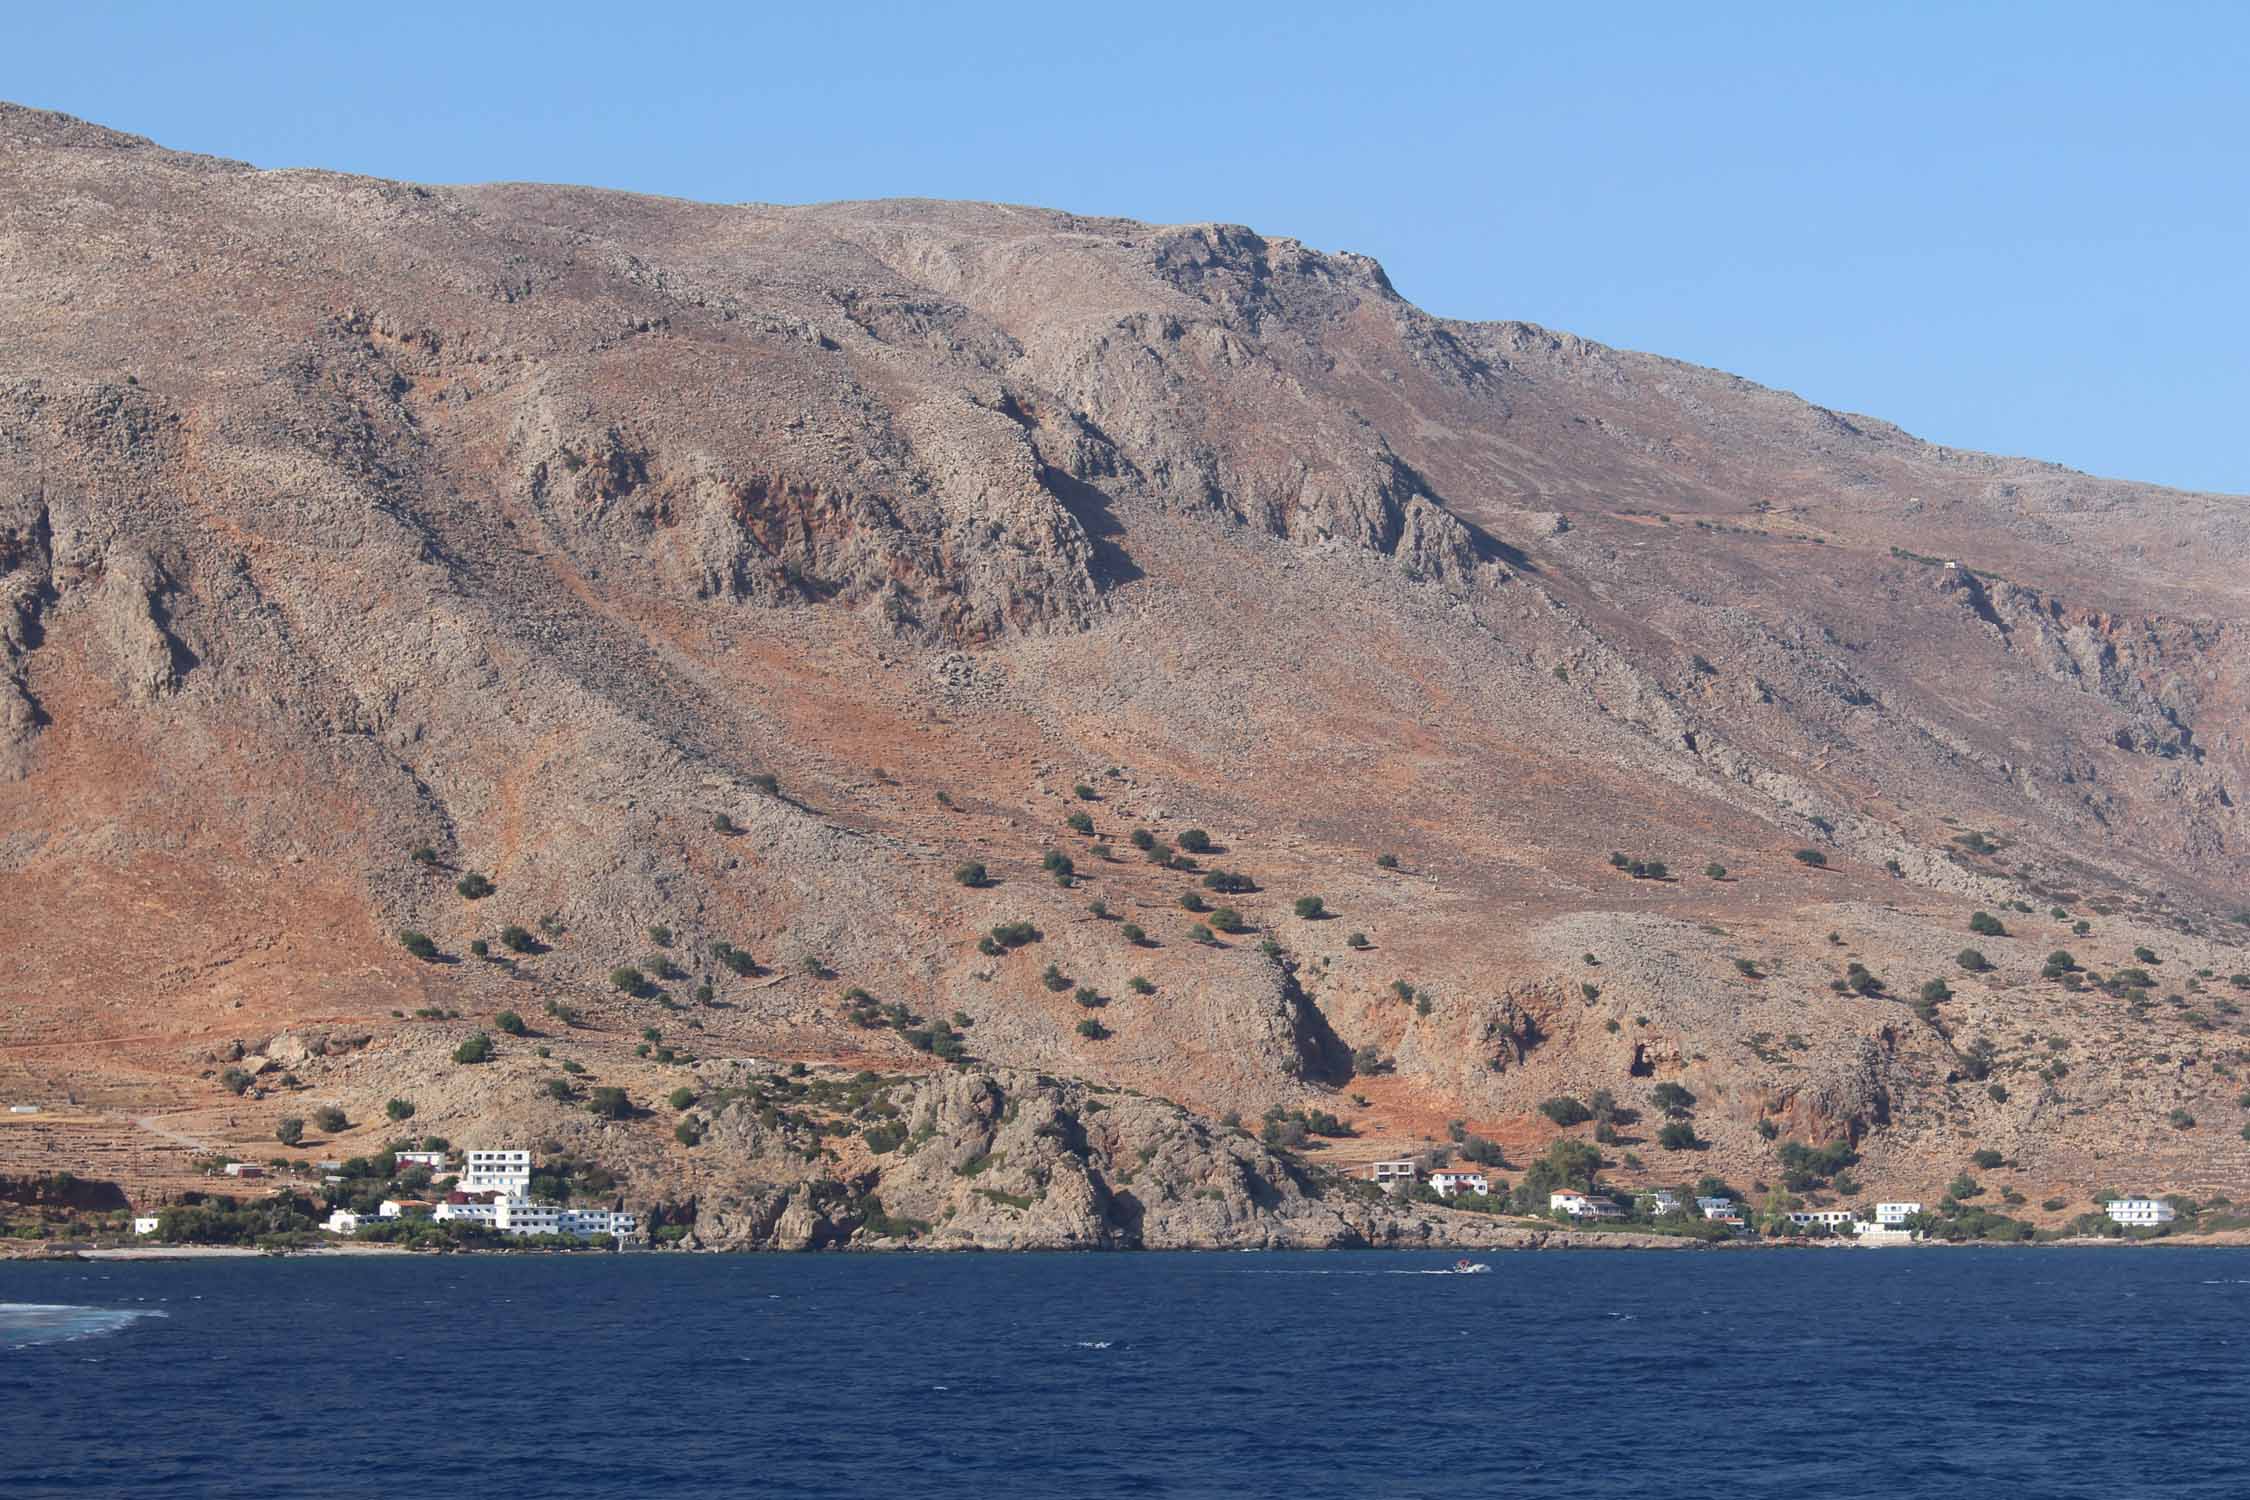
[[1111, 565]]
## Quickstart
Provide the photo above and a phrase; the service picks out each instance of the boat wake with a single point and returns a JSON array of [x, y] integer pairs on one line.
[[25, 1324]]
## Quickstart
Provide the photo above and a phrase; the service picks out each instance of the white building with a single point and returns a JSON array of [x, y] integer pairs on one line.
[[1828, 1218], [507, 1172], [404, 1208], [1892, 1215], [434, 1160], [1584, 1205], [1391, 1174], [473, 1211], [244, 1169], [1446, 1184], [2141, 1211], [1716, 1208], [344, 1221], [144, 1224], [1663, 1201]]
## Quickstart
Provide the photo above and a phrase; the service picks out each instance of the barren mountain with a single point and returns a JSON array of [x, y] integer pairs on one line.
[[704, 575]]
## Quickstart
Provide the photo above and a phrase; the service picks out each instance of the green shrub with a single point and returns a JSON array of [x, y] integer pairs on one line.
[[1748, 968], [1204, 935], [1092, 1029], [610, 1104], [1227, 919], [423, 854], [628, 980], [477, 1048], [1811, 857], [1985, 924], [328, 1119], [1673, 1099], [516, 940], [1677, 1135], [1132, 933], [721, 823], [290, 1131], [1565, 1110], [478, 948], [417, 943], [400, 1109], [1079, 822], [1986, 1159], [1140, 986], [1053, 979], [1055, 862], [969, 873], [2181, 1120], [1767, 1130], [558, 1090], [1190, 901], [767, 782], [1310, 907], [1015, 934], [474, 887], [1143, 839], [510, 1022], [1386, 861], [681, 1097], [1358, 940], [1089, 997], [1195, 841], [688, 1133], [1971, 960], [1228, 883], [1082, 792]]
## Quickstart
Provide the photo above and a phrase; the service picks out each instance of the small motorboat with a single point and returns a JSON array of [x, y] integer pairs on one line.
[[1470, 1268]]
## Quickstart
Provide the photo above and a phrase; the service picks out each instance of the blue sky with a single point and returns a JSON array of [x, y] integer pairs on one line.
[[2023, 228]]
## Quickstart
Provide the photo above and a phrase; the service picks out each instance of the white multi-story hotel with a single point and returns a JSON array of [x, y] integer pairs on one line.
[[506, 1172], [2141, 1211], [1891, 1215]]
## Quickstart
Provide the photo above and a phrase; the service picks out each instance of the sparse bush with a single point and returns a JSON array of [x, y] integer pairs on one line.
[[610, 1104], [688, 1133], [328, 1119], [1368, 1060], [474, 887], [1677, 1135], [1985, 924], [1228, 883], [1142, 839], [1190, 901], [1204, 935], [1971, 960], [1386, 861], [1715, 870], [510, 1022], [516, 940], [681, 1097], [1767, 1130], [1055, 862], [1133, 933], [1140, 986], [290, 1131], [423, 854], [767, 782], [1195, 841], [557, 1089], [2181, 1120], [1310, 907], [1053, 979], [628, 980], [969, 873], [1079, 822], [476, 1049], [1089, 997], [1673, 1099], [1015, 934], [1092, 1030], [1811, 857], [1082, 792], [399, 1109], [1227, 919], [478, 948], [417, 943], [1985, 1159], [1747, 968], [1565, 1111], [721, 823], [1358, 940]]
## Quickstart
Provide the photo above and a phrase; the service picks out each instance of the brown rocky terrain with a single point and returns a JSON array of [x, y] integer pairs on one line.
[[739, 572]]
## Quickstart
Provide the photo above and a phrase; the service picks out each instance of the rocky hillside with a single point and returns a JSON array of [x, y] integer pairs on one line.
[[419, 603]]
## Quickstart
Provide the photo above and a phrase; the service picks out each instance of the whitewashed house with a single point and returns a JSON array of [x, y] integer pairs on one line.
[[1662, 1201], [2141, 1212], [434, 1160], [404, 1208], [1584, 1205], [507, 1172], [1446, 1184], [1391, 1175], [1892, 1215], [144, 1224], [1716, 1208], [1820, 1218], [344, 1221]]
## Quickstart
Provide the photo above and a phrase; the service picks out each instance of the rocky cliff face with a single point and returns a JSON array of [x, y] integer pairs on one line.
[[584, 582]]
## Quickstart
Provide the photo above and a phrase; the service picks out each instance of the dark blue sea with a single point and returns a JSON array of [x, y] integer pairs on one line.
[[1993, 1373]]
